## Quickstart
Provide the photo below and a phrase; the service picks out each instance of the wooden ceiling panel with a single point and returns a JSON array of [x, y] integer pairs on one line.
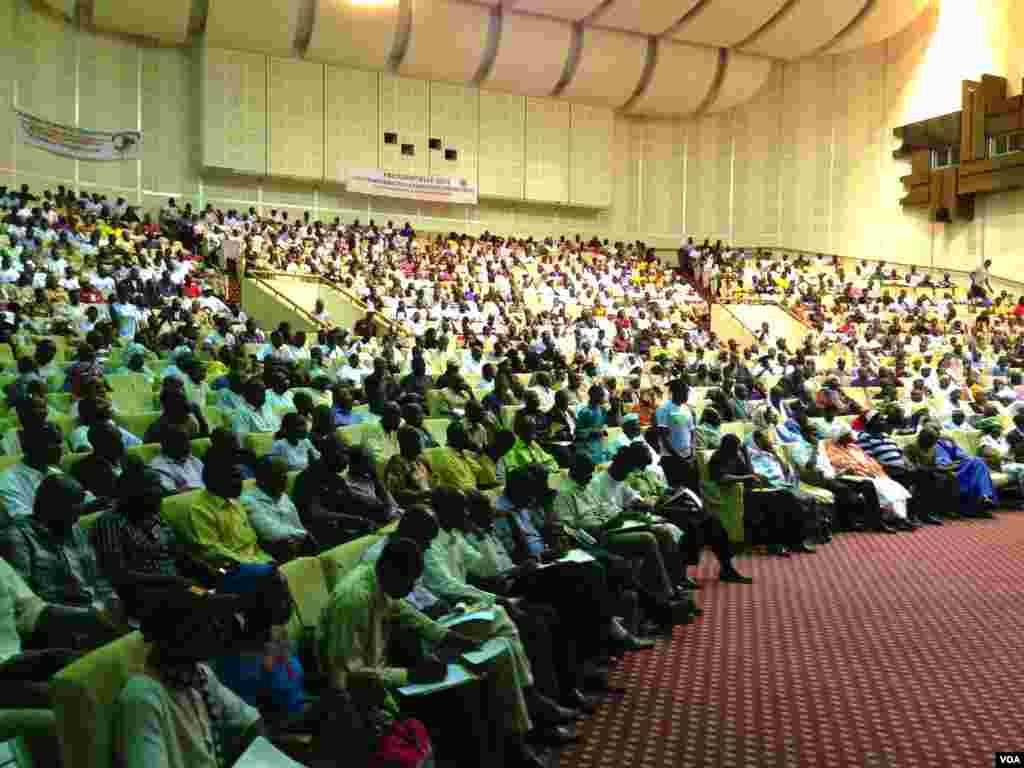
[[354, 35], [434, 53], [883, 20], [531, 55], [571, 10], [264, 26], [744, 76], [682, 79], [166, 21], [805, 27], [609, 70], [727, 22], [648, 17]]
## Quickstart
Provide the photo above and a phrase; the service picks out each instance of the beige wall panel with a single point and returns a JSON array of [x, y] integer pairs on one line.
[[610, 67], [170, 116], [45, 66], [648, 17], [860, 144], [502, 161], [357, 35], [234, 110], [627, 158], [352, 132], [108, 98], [547, 150], [882, 20], [805, 27], [531, 55], [681, 81], [562, 9], [455, 120], [661, 198], [405, 110], [291, 196], [447, 40], [744, 77], [265, 26], [806, 140], [590, 180], [166, 20], [295, 121], [9, 60], [708, 169], [727, 22], [756, 167], [1003, 215]]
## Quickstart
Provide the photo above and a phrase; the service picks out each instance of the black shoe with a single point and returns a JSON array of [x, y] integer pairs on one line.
[[855, 527], [577, 699], [886, 528], [688, 583], [915, 522], [548, 713], [554, 735], [930, 520], [734, 577], [778, 550], [524, 756], [905, 525], [804, 548]]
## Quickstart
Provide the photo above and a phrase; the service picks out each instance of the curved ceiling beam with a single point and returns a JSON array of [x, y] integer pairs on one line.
[[572, 61], [493, 43], [304, 29], [648, 74], [402, 34], [743, 77], [569, 10], [716, 83], [849, 29]]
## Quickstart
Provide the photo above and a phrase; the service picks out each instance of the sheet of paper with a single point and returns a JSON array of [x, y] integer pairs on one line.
[[493, 648], [262, 754], [576, 556], [457, 675], [631, 525], [453, 620]]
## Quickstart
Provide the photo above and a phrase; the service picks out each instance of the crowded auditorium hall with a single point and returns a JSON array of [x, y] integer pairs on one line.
[[371, 401]]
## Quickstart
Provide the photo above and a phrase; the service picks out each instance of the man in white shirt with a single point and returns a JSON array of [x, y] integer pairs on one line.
[[179, 470], [272, 513], [44, 447]]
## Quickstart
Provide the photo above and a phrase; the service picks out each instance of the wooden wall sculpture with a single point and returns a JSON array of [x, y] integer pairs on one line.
[[949, 192]]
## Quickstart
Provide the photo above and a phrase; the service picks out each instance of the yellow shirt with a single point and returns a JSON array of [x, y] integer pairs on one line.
[[220, 528]]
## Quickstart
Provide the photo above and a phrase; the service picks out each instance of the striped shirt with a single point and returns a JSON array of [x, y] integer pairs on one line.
[[882, 449]]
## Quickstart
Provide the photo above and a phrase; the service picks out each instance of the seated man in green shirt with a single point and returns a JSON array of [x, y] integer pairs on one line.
[[352, 636], [217, 524], [526, 450]]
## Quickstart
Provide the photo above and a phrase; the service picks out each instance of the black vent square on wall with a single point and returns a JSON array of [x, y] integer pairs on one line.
[[409, 149], [390, 138], [451, 154], [435, 143]]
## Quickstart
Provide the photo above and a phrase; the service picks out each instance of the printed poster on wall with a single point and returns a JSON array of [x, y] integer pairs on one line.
[[79, 143], [435, 189]]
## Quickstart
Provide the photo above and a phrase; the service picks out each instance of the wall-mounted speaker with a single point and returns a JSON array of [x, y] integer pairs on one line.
[[409, 149], [390, 138]]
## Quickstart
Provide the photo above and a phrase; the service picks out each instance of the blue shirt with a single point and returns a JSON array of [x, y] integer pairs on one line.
[[280, 690], [503, 527], [347, 419], [679, 419]]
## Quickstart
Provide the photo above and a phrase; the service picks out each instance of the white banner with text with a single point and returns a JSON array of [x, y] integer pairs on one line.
[[435, 189], [79, 143]]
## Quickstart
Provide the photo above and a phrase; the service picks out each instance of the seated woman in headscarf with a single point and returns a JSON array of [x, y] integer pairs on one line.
[[771, 515], [996, 452], [977, 493], [707, 435]]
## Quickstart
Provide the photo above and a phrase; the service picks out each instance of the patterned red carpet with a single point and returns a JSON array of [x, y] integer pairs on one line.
[[879, 651]]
